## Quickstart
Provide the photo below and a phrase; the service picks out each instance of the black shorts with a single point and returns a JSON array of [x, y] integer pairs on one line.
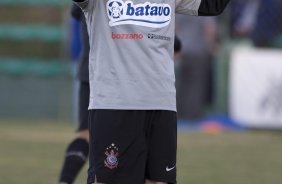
[[128, 146], [83, 103]]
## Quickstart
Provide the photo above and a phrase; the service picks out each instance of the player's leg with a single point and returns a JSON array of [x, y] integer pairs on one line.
[[161, 161], [153, 182], [83, 134], [147, 182], [75, 157], [118, 150], [77, 152]]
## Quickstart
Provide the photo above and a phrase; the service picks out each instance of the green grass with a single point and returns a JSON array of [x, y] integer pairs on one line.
[[31, 153]]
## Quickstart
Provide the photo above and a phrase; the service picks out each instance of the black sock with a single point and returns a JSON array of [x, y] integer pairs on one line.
[[76, 156]]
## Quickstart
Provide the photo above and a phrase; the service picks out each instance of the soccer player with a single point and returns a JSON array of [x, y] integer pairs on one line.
[[77, 151], [132, 120]]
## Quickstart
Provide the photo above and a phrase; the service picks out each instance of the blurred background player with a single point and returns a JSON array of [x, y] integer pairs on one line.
[[77, 151], [194, 72]]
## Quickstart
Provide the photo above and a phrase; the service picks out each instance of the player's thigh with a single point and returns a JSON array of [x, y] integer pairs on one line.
[[161, 162], [118, 149]]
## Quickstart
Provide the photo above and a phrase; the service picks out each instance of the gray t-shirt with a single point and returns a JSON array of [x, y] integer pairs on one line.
[[131, 52]]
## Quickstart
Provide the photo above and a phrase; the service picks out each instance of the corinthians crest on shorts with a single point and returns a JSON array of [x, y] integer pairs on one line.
[[111, 160]]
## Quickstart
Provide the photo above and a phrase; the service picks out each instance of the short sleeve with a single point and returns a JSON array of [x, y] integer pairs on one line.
[[188, 7]]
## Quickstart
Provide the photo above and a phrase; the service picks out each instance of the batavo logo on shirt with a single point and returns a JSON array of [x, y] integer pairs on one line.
[[155, 15]]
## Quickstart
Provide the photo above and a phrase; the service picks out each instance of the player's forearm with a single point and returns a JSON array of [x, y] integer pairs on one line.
[[212, 7]]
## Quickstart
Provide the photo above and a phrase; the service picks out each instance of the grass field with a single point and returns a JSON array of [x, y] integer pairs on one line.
[[31, 153]]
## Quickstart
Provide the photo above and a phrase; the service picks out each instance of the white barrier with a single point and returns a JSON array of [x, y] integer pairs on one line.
[[255, 97]]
